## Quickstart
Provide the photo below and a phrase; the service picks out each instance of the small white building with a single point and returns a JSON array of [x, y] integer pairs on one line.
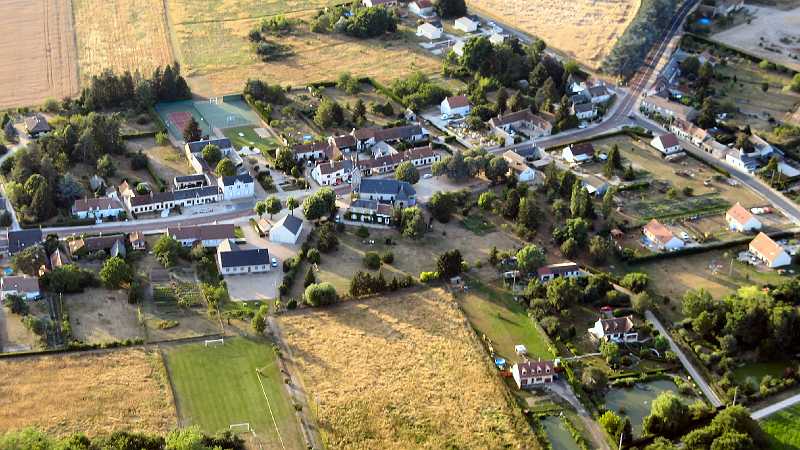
[[531, 373], [584, 111], [331, 173], [237, 186], [466, 24], [458, 48], [97, 208], [519, 167], [497, 38], [422, 8], [616, 329], [429, 32], [661, 236], [741, 220], [567, 269], [385, 3], [232, 260], [578, 153], [287, 230], [25, 287], [769, 251], [667, 144], [455, 106]]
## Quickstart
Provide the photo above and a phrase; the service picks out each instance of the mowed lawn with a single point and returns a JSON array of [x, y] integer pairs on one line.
[[247, 137], [218, 386], [494, 312], [783, 429]]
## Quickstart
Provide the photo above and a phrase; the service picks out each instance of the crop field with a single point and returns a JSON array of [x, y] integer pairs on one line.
[[38, 53], [218, 386], [771, 34], [783, 428], [211, 43], [586, 30], [403, 371], [121, 35], [94, 393]]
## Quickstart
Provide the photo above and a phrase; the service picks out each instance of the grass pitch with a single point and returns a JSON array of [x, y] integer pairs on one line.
[[217, 386], [783, 429]]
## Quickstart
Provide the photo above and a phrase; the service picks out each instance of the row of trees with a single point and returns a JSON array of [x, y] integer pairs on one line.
[[180, 439], [469, 163], [355, 20], [110, 90], [652, 19]]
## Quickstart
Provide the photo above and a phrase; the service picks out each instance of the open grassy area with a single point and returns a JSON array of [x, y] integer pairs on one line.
[[247, 137], [493, 312], [754, 372], [217, 386], [783, 429], [403, 371], [92, 393]]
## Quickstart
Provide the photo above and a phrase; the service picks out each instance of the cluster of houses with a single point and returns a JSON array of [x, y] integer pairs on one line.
[[586, 97]]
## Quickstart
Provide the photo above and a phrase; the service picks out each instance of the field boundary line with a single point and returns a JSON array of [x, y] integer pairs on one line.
[[171, 387], [241, 19], [173, 47], [274, 422]]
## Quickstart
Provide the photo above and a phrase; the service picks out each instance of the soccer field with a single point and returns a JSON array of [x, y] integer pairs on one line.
[[217, 386]]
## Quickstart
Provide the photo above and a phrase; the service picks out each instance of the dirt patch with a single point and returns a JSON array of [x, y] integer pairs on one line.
[[121, 35], [402, 372], [772, 34], [585, 30], [38, 54], [100, 315], [92, 393], [167, 162]]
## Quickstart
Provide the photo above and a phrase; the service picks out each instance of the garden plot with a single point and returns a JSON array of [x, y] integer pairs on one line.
[[100, 315]]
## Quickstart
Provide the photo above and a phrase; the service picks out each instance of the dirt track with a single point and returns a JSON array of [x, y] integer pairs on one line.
[[37, 50]]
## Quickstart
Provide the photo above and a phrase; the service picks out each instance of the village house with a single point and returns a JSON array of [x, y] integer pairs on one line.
[[150, 202], [19, 240], [422, 8], [524, 121], [518, 165], [287, 230], [578, 153], [497, 38], [37, 125], [112, 245], [399, 193], [616, 329], [455, 106], [458, 47], [237, 186], [429, 31], [369, 211], [232, 260], [23, 286], [58, 259], [742, 161], [97, 208], [769, 252], [367, 137], [466, 24], [332, 173], [594, 185], [667, 144], [137, 241], [741, 220], [194, 153], [725, 7], [342, 144], [420, 156], [528, 374], [197, 196], [567, 269], [584, 111], [384, 3], [599, 94], [189, 181], [660, 236], [313, 151], [207, 235], [668, 109]]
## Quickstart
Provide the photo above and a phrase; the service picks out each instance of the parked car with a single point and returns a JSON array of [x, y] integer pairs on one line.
[[274, 262], [427, 176]]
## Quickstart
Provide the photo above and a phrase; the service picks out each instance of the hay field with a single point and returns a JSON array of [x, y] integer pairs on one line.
[[121, 35], [401, 372], [95, 393], [210, 38], [37, 51], [582, 29]]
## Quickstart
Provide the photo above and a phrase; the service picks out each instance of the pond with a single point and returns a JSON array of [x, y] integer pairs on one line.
[[557, 433], [635, 402]]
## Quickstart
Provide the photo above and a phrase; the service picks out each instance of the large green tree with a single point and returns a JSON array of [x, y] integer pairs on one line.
[[319, 204], [115, 273], [406, 171]]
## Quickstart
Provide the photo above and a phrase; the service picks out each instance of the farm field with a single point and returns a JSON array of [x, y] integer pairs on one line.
[[212, 46], [217, 386], [494, 313], [771, 34], [783, 428], [403, 371], [121, 35], [586, 31], [93, 393], [39, 55]]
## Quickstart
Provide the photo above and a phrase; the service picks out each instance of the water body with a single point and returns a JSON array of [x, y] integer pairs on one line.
[[636, 401]]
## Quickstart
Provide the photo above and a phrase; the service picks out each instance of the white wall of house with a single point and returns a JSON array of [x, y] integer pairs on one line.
[[25, 295], [99, 213], [238, 190], [282, 235], [241, 270], [751, 225], [445, 108], [466, 25]]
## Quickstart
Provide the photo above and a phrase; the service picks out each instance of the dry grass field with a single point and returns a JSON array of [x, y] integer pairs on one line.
[[94, 393], [210, 38], [121, 35], [772, 34], [582, 29], [402, 372], [38, 52]]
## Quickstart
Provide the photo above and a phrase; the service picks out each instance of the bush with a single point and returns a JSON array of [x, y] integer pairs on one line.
[[313, 256], [321, 294], [372, 260], [362, 232], [427, 277], [387, 257], [551, 325], [635, 281]]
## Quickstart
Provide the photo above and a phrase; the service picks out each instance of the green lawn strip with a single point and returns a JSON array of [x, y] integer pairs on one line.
[[756, 371], [478, 224], [217, 386], [249, 138], [783, 429], [494, 312]]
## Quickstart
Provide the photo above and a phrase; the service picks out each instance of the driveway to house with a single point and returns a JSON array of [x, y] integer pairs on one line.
[[255, 286], [563, 390], [775, 407], [707, 391]]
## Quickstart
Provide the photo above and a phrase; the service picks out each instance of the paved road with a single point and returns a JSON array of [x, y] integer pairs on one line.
[[707, 391], [772, 409]]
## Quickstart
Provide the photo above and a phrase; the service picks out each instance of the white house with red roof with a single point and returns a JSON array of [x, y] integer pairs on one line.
[[667, 144], [615, 329], [661, 236], [455, 106], [769, 251], [741, 220], [531, 373]]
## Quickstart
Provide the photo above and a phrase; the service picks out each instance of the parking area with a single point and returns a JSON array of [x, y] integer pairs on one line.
[[261, 286]]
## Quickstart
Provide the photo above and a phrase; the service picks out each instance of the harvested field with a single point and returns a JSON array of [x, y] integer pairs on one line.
[[402, 372], [772, 34], [38, 53], [95, 393], [121, 35], [586, 30]]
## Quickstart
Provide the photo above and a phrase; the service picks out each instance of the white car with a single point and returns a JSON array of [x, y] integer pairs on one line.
[[685, 236], [274, 262], [427, 176]]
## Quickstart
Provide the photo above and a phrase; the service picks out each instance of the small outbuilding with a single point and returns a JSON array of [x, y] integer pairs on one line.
[[287, 230], [667, 144], [429, 31]]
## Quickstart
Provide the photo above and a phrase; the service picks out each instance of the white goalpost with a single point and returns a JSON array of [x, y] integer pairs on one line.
[[241, 427], [214, 343]]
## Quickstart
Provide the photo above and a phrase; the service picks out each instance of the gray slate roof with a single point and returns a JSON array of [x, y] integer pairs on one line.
[[19, 239], [198, 146], [385, 187], [231, 180], [291, 223], [236, 257]]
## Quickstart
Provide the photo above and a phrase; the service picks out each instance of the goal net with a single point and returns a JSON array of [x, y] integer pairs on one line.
[[240, 427], [214, 342]]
